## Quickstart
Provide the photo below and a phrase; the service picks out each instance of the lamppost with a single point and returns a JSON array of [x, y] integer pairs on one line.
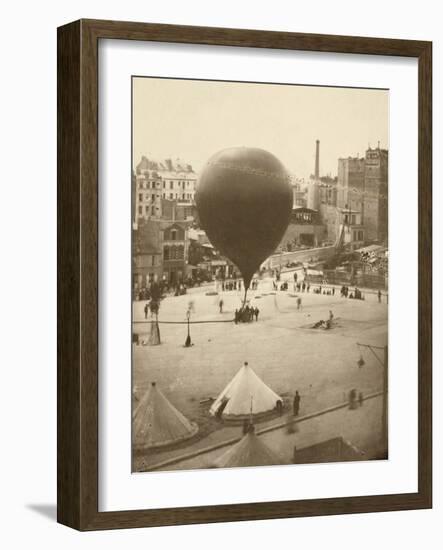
[[384, 363], [154, 337], [188, 342]]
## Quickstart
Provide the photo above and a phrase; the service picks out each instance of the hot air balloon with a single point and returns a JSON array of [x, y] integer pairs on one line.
[[244, 203]]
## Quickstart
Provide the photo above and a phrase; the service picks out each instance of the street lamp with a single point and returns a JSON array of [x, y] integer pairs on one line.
[[188, 342], [384, 363]]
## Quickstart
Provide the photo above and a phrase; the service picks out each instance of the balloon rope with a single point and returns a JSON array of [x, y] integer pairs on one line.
[[244, 299]]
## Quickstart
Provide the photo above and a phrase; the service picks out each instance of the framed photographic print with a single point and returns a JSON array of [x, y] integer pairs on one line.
[[244, 274]]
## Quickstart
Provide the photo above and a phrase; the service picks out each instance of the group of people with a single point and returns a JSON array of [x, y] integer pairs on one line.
[[326, 291], [356, 295], [231, 285], [302, 286], [325, 324], [254, 284], [246, 314], [354, 399]]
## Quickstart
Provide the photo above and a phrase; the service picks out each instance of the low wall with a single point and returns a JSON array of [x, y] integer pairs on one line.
[[364, 280], [311, 254]]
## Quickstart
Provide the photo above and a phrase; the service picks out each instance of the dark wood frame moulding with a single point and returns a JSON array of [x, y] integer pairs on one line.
[[77, 323]]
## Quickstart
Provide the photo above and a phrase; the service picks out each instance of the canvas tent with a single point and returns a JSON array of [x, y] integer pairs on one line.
[[336, 449], [244, 394], [249, 451], [157, 422]]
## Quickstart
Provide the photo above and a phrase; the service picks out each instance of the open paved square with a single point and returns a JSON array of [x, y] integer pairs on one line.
[[281, 347]]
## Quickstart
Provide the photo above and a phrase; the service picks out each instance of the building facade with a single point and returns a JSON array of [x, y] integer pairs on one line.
[[160, 251], [147, 260], [175, 252], [156, 181], [375, 206], [351, 182], [305, 229], [351, 229], [363, 186]]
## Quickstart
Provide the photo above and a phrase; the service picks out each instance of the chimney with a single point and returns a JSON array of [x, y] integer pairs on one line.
[[317, 160]]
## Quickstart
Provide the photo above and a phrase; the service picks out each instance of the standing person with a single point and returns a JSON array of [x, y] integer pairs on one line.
[[146, 309], [251, 314], [331, 315], [220, 305], [245, 426], [353, 399], [236, 314], [296, 404], [299, 303], [256, 312], [379, 296], [303, 286]]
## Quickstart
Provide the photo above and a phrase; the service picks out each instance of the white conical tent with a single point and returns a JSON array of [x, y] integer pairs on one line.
[[157, 422], [244, 394], [249, 451]]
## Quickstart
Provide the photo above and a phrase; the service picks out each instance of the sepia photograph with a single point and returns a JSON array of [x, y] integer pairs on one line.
[[259, 274]]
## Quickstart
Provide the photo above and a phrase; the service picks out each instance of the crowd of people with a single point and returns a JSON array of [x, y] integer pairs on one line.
[[330, 291], [246, 314], [233, 284], [356, 295], [303, 286]]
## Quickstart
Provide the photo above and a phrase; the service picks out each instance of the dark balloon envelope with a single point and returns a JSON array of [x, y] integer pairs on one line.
[[244, 203]]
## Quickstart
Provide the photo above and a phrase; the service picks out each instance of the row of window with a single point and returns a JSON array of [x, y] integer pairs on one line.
[[148, 185], [353, 219], [157, 184], [152, 198], [147, 197], [148, 210], [174, 252]]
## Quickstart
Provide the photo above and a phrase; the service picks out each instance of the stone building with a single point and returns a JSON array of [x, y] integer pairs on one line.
[[375, 206], [175, 252], [160, 249], [351, 182], [298, 186], [147, 257], [305, 229], [363, 186], [351, 231], [156, 181], [327, 207]]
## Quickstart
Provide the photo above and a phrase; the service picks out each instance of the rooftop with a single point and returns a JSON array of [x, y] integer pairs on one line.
[[165, 167]]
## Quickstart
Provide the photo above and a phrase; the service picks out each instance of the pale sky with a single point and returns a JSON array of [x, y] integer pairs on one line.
[[193, 119]]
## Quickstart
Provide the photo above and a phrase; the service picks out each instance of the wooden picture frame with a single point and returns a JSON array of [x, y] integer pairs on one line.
[[77, 480]]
